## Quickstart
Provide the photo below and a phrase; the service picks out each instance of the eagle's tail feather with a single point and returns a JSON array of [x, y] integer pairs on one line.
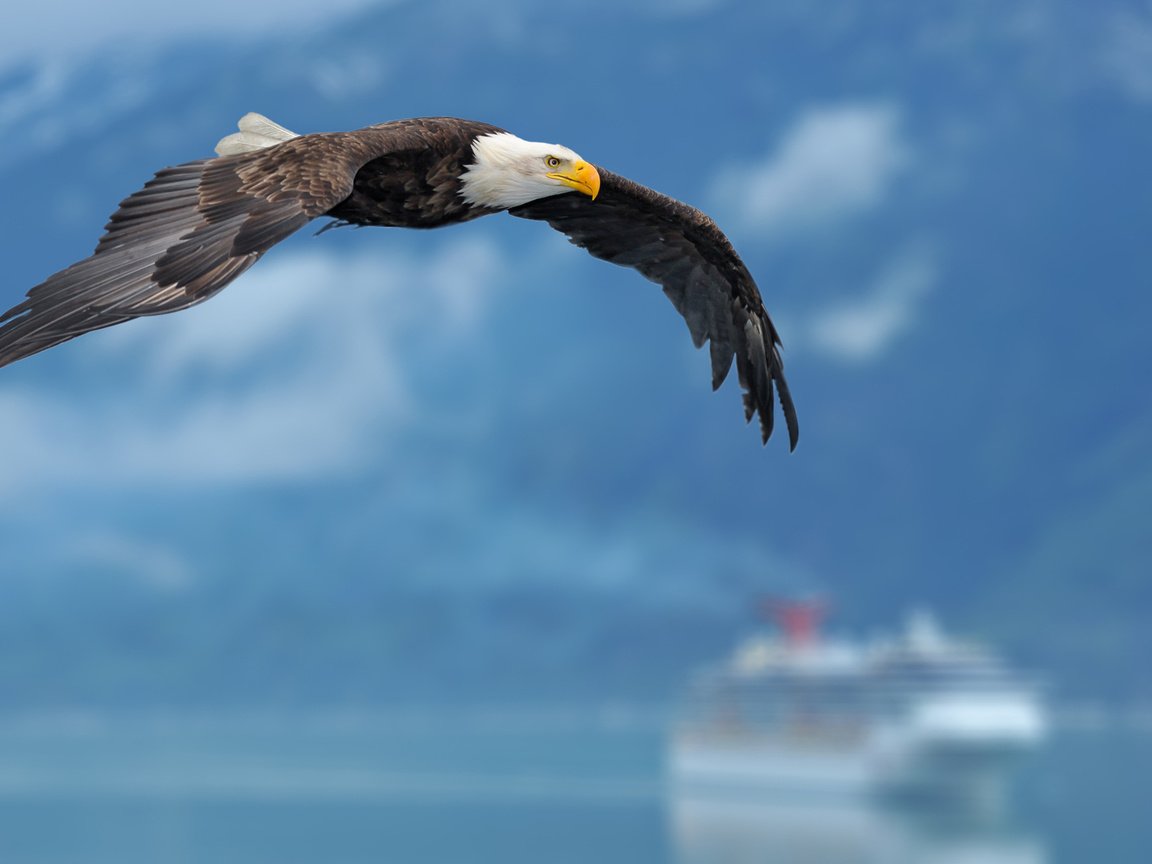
[[256, 133]]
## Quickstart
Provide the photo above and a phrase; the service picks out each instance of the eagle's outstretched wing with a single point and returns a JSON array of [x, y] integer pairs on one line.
[[190, 231], [682, 250]]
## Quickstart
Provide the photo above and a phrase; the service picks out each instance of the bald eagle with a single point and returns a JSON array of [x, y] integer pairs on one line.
[[195, 227]]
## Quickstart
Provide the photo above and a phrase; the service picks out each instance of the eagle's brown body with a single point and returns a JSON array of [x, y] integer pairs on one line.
[[195, 227], [415, 185]]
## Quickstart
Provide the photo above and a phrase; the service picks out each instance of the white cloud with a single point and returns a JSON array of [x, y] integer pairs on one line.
[[297, 370], [59, 27], [152, 564], [1127, 54], [860, 329], [832, 164], [43, 84], [31, 119], [347, 76], [335, 307], [514, 544], [685, 8]]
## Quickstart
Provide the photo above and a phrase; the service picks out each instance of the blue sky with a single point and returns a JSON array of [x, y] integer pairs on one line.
[[910, 209]]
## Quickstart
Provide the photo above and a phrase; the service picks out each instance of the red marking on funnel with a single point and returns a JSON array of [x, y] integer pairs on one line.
[[799, 620]]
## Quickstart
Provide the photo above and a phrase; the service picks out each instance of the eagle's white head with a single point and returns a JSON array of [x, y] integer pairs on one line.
[[507, 171]]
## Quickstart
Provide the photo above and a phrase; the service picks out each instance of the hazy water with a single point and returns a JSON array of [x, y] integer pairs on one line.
[[503, 787]]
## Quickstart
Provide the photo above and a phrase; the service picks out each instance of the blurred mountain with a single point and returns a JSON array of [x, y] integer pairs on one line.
[[478, 463]]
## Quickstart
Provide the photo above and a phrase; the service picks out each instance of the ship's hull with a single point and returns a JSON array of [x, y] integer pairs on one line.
[[869, 769], [760, 767]]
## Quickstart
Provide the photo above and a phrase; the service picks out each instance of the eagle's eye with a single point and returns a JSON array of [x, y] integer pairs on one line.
[[552, 162]]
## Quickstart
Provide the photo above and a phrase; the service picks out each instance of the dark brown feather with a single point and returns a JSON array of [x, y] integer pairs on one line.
[[681, 249]]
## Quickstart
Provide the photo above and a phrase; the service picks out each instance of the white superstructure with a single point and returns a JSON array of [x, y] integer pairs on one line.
[[919, 715]]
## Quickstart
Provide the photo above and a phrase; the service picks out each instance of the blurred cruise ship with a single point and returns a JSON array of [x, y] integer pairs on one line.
[[917, 716]]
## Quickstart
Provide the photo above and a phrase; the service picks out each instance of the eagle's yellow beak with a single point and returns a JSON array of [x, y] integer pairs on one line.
[[581, 176]]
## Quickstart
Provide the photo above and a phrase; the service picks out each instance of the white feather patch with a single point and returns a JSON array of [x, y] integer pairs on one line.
[[256, 133]]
